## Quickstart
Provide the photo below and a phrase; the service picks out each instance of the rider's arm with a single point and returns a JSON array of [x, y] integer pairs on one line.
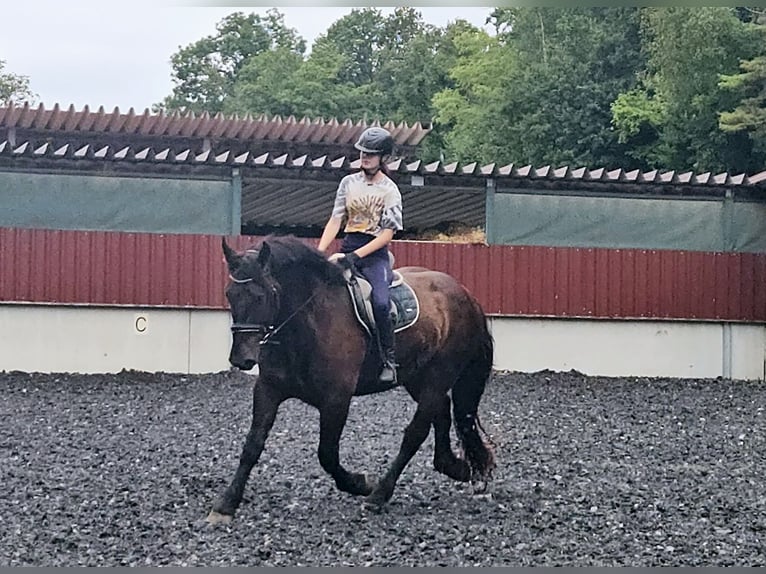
[[331, 229]]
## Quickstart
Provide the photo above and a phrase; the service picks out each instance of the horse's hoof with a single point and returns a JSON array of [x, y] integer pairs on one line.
[[217, 518], [376, 501], [455, 469], [369, 485], [374, 506], [356, 485], [481, 487]]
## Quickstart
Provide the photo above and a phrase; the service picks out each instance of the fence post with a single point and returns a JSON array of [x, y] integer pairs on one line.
[[489, 212], [236, 201], [728, 222]]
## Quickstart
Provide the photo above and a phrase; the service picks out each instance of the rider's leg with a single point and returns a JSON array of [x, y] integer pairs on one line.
[[377, 271]]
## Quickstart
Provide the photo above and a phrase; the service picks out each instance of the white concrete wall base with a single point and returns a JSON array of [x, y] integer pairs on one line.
[[52, 338], [631, 348], [43, 338]]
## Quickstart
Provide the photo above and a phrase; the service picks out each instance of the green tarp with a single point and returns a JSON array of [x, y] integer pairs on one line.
[[114, 203], [694, 224]]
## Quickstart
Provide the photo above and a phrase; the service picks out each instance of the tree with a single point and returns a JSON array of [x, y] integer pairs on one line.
[[388, 64], [14, 88], [469, 113], [367, 66], [266, 84], [204, 73], [281, 82], [572, 64], [540, 91], [414, 69], [357, 38], [671, 119], [749, 116]]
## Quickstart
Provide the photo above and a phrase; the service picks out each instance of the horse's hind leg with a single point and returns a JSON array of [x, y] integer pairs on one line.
[[266, 401], [445, 460], [414, 435], [332, 419]]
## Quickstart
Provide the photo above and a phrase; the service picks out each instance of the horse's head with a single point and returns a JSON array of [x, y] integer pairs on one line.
[[253, 296]]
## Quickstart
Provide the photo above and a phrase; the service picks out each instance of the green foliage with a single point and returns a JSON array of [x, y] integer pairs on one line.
[[389, 63], [747, 87], [204, 73], [638, 120], [367, 66], [750, 114], [471, 110], [356, 37], [541, 90], [14, 88], [669, 88], [265, 83], [671, 120], [281, 82]]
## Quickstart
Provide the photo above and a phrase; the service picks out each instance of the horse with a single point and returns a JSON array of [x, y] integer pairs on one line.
[[293, 316]]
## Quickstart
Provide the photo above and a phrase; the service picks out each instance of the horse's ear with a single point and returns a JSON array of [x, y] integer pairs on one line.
[[264, 256], [232, 259]]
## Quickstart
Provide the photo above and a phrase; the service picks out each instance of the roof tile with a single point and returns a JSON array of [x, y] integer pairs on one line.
[[187, 124], [96, 149]]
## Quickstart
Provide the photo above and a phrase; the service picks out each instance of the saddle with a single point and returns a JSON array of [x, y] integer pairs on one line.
[[405, 308]]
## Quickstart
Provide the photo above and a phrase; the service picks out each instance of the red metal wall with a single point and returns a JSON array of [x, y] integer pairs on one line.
[[109, 268], [622, 283]]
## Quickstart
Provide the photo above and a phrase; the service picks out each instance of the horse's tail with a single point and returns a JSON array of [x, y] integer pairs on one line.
[[466, 394]]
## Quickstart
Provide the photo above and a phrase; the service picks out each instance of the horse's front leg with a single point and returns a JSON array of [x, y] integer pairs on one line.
[[266, 401], [332, 419]]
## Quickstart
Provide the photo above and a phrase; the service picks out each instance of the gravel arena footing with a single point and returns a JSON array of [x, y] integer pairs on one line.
[[122, 469]]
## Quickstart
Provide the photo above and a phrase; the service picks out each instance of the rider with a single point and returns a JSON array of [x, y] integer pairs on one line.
[[372, 203]]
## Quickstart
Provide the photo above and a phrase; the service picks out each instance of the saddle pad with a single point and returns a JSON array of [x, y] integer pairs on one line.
[[405, 308]]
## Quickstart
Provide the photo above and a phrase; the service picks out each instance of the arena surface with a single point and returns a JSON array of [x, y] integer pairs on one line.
[[111, 470]]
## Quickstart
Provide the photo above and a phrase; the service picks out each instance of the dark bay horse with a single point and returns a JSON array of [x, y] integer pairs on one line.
[[292, 315]]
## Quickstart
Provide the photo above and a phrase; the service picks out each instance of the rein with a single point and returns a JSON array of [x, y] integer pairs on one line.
[[266, 332]]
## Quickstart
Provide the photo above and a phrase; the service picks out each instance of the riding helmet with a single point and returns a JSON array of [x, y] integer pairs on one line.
[[375, 140]]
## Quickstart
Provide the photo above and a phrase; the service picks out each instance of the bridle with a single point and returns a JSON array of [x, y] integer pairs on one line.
[[265, 332]]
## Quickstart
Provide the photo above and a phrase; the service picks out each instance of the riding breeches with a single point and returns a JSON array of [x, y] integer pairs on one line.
[[376, 268]]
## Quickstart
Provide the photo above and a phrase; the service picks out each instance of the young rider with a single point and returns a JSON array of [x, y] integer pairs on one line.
[[372, 205]]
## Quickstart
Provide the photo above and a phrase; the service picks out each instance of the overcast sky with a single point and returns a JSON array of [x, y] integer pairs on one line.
[[107, 54]]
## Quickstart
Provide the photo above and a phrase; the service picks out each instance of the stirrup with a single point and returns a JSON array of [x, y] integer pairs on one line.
[[384, 368]]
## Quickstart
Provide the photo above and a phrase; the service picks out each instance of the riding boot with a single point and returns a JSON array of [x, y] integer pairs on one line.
[[387, 374]]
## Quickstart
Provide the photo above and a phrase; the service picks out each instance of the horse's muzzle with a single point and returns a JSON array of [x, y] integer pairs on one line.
[[245, 350], [244, 360], [245, 365]]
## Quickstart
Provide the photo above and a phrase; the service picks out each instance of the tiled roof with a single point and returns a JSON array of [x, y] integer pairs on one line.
[[227, 157], [176, 124]]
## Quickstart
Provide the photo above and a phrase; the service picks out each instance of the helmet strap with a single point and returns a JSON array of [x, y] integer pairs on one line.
[[371, 173]]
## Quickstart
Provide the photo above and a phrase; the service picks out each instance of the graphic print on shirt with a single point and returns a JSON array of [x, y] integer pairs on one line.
[[364, 213]]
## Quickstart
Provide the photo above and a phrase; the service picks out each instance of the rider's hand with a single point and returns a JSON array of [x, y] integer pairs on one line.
[[348, 260]]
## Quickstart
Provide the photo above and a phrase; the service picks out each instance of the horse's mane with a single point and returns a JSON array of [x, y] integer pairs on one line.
[[291, 256]]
